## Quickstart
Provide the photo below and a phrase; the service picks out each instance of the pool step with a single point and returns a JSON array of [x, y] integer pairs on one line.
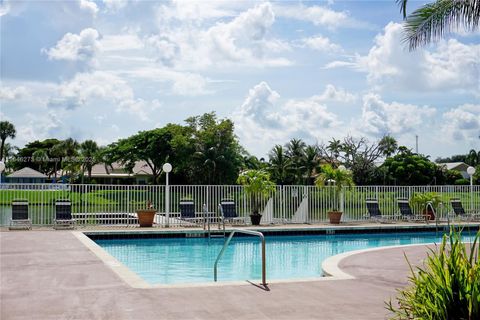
[[217, 235]]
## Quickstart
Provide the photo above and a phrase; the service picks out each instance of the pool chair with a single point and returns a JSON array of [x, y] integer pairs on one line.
[[407, 213], [374, 212], [460, 212], [228, 213], [20, 218], [63, 215], [187, 212]]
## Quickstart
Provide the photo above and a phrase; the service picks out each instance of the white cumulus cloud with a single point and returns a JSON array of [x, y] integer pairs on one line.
[[318, 15], [463, 122], [97, 88], [379, 117], [9, 93], [451, 65], [321, 43], [115, 5], [89, 6], [262, 121], [242, 40], [76, 47]]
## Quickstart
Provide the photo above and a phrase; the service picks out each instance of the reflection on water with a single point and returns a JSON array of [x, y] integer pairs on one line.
[[184, 260]]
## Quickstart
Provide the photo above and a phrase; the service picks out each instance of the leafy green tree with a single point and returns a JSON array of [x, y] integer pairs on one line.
[[451, 176], [24, 157], [217, 151], [7, 130], [433, 20], [155, 147], [454, 158], [407, 168]]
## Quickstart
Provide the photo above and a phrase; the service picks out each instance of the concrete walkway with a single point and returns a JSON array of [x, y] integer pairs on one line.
[[52, 275]]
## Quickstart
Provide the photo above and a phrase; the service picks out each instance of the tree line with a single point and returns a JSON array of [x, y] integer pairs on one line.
[[205, 150]]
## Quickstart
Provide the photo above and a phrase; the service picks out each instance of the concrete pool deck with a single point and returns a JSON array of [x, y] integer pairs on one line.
[[52, 275]]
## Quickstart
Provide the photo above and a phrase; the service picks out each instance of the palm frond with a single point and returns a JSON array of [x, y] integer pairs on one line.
[[432, 21], [403, 7]]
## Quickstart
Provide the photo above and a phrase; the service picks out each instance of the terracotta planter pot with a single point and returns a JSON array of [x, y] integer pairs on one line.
[[335, 217], [145, 217], [429, 213]]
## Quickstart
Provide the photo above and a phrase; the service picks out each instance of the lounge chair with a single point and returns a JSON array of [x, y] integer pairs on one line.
[[407, 213], [187, 212], [20, 219], [228, 213], [460, 212], [374, 212], [63, 215]]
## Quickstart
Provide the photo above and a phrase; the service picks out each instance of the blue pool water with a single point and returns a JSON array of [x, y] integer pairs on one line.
[[188, 260]]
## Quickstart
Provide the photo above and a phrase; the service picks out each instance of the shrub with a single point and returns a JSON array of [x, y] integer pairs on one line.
[[447, 287], [462, 181]]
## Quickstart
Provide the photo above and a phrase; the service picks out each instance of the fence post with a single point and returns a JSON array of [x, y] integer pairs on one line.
[[342, 200]]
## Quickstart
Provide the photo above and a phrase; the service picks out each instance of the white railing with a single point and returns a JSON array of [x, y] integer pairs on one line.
[[115, 205]]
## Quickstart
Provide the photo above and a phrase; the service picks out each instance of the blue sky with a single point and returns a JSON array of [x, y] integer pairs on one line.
[[314, 70]]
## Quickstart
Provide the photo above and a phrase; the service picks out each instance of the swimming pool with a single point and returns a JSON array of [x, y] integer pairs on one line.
[[191, 260]]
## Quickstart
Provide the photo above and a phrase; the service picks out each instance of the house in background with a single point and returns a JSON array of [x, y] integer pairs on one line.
[[117, 174], [457, 166], [26, 175]]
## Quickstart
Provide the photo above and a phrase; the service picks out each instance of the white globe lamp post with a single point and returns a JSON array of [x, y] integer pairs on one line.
[[471, 172], [167, 168]]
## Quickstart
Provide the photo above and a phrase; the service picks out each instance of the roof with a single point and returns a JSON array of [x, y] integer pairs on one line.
[[27, 173], [460, 166], [117, 170]]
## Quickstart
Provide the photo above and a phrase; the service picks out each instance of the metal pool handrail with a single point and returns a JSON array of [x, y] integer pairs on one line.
[[255, 233]]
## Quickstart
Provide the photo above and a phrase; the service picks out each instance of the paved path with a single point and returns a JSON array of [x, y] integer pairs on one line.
[[51, 275]]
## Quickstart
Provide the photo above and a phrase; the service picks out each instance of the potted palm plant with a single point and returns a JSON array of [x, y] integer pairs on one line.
[[146, 215], [420, 200], [335, 180], [257, 185]]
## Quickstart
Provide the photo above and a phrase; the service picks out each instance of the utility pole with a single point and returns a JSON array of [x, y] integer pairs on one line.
[[416, 143]]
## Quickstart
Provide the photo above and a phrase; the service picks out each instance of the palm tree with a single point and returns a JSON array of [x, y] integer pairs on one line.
[[472, 158], [58, 153], [209, 157], [335, 147], [66, 149], [9, 151], [258, 185], [433, 20], [388, 145], [89, 150], [311, 162], [41, 156], [339, 178], [295, 151], [7, 130], [279, 164]]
